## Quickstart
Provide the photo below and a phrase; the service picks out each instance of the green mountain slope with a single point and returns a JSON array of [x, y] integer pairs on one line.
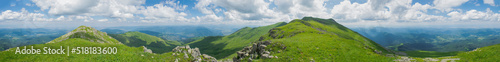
[[223, 46], [89, 37], [137, 39], [483, 54], [87, 33], [323, 40]]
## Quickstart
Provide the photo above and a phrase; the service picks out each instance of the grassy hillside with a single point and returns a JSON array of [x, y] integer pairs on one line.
[[484, 54], [137, 39], [88, 37], [124, 53], [223, 46], [313, 39]]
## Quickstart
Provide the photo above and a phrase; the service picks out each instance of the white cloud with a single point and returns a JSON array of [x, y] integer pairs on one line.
[[120, 10], [284, 5], [357, 12], [64, 7], [490, 2], [447, 5], [303, 8], [259, 11], [474, 15], [60, 18], [203, 6], [246, 9], [175, 4], [391, 11], [116, 8], [108, 8], [84, 18], [23, 15], [160, 11], [208, 18], [102, 20]]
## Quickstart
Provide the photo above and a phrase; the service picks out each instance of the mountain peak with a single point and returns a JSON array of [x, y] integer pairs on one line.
[[87, 33]]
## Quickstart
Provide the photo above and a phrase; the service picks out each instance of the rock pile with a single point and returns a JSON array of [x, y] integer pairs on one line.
[[194, 54], [147, 50], [253, 52]]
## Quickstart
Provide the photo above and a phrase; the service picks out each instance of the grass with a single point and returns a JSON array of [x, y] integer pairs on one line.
[[124, 53], [322, 40], [224, 46], [484, 54]]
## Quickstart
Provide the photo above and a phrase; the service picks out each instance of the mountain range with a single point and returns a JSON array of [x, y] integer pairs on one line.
[[305, 40]]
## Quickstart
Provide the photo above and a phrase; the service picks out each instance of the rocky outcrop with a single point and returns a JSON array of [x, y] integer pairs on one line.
[[257, 50], [193, 54], [147, 50]]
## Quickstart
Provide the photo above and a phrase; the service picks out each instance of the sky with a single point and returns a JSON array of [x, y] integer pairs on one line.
[[351, 13]]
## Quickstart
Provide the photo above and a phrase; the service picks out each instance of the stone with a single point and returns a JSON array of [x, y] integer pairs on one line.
[[186, 56], [267, 52], [378, 52], [265, 55], [147, 50], [176, 60], [254, 52], [193, 54]]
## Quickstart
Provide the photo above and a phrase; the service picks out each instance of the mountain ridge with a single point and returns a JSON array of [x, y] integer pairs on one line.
[[87, 33]]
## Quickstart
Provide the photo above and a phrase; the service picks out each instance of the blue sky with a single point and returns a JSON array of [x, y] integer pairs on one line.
[[352, 13]]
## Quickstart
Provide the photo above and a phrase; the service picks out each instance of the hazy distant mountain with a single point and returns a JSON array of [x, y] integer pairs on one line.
[[25, 36], [432, 39]]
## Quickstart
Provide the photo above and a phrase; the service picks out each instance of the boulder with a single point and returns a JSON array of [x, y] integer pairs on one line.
[[254, 51], [147, 50], [193, 54]]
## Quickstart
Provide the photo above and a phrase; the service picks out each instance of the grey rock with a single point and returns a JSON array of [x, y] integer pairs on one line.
[[194, 53], [147, 50]]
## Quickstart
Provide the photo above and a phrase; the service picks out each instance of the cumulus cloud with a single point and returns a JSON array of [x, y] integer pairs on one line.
[[102, 20], [447, 5], [489, 2], [284, 5], [474, 15], [390, 11], [358, 12], [64, 7], [259, 11], [160, 11], [23, 15], [109, 8], [205, 6], [114, 9]]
